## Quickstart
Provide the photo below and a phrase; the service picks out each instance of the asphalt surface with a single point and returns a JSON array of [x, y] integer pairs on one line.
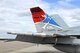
[[25, 47]]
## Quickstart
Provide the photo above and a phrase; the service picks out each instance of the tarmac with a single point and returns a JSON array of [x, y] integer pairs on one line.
[[25, 47]]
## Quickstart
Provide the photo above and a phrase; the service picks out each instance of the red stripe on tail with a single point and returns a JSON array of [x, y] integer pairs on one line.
[[37, 14]]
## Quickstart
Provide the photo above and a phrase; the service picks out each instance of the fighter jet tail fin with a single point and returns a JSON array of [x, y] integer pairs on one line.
[[43, 21]]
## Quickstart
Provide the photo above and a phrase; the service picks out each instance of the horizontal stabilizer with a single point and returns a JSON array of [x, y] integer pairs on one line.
[[45, 39]]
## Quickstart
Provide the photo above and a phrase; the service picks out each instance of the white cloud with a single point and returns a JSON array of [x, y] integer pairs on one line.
[[12, 16]]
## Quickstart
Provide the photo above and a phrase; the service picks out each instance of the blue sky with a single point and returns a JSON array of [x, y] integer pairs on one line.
[[15, 15], [54, 1], [76, 3], [51, 1], [73, 2]]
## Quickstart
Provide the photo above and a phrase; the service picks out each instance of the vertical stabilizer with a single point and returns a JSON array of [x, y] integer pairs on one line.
[[44, 23]]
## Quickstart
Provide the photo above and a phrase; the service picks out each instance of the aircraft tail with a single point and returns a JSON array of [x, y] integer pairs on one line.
[[43, 22]]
